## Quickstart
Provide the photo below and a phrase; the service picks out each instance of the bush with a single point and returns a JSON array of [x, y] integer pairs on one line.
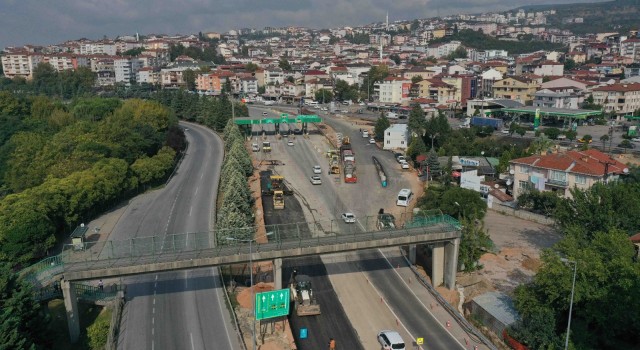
[[98, 332]]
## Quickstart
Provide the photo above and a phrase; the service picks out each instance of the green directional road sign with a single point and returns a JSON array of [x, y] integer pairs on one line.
[[272, 304]]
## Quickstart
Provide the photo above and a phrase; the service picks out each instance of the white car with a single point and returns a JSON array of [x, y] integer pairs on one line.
[[505, 131], [317, 169], [325, 109], [348, 218], [361, 104], [372, 140], [404, 165], [315, 180], [290, 143], [391, 340], [635, 139]]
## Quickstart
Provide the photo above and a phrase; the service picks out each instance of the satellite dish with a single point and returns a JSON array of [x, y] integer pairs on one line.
[[496, 186], [509, 182], [512, 172], [625, 170]]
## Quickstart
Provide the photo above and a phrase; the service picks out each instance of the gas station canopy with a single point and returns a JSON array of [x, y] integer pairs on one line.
[[554, 112]]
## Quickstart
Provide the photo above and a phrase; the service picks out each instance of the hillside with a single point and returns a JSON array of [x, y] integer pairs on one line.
[[480, 41], [619, 16]]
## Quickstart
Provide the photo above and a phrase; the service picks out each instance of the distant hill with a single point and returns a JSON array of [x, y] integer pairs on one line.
[[618, 16]]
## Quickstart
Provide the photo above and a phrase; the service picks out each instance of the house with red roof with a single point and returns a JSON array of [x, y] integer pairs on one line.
[[560, 172]]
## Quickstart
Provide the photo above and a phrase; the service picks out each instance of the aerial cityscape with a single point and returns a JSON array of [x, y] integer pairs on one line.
[[406, 175]]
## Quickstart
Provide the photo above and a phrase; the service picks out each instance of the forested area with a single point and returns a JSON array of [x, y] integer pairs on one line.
[[61, 163], [596, 225]]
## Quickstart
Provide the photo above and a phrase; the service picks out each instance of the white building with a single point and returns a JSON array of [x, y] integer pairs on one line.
[[557, 99], [444, 49], [126, 69], [396, 137], [393, 90]]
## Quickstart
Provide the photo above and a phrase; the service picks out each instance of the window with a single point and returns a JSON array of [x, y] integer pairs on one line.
[[388, 142], [581, 180], [523, 169], [524, 186], [402, 142], [558, 175]]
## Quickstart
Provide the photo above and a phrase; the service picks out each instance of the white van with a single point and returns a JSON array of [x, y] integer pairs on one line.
[[365, 133], [390, 340], [405, 196]]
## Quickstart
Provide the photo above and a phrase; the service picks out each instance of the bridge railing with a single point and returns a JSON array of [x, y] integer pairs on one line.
[[235, 241], [43, 272]]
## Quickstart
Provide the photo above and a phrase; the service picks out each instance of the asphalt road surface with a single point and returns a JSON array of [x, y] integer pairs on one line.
[[181, 309], [363, 198]]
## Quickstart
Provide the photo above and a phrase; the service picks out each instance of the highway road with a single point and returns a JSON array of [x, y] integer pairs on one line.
[[184, 309], [328, 201]]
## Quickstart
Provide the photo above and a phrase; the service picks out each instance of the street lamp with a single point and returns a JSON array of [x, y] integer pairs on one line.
[[573, 287], [253, 297]]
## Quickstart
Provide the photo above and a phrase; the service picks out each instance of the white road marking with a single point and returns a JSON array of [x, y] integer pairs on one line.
[[154, 301], [197, 189], [190, 209], [216, 280], [191, 336], [152, 344], [418, 299]]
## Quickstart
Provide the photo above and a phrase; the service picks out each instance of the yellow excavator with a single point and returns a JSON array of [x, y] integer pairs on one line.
[[278, 189]]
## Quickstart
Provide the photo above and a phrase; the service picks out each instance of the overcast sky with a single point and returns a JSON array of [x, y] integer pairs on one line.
[[48, 22]]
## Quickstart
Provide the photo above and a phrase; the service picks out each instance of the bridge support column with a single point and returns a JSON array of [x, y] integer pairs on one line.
[[437, 264], [412, 253], [71, 306], [451, 263], [277, 273]]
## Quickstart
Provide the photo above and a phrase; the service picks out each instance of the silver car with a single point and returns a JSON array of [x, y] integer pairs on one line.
[[315, 180]]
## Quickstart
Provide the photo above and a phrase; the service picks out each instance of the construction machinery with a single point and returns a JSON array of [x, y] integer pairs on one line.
[[385, 221], [334, 164], [276, 188], [350, 172], [266, 146], [302, 296]]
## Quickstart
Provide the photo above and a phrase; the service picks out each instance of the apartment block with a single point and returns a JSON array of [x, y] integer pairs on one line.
[[126, 69], [620, 98]]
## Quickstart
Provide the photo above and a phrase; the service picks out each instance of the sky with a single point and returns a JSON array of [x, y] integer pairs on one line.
[[41, 22]]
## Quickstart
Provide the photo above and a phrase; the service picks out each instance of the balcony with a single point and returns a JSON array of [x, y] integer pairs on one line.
[[558, 183]]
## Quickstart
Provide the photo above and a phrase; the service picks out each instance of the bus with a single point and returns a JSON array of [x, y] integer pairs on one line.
[[405, 196]]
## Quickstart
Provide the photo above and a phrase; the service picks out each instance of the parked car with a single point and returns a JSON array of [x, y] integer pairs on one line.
[[581, 140], [372, 140], [635, 139], [349, 218], [401, 158], [317, 169], [404, 165], [315, 180], [290, 143]]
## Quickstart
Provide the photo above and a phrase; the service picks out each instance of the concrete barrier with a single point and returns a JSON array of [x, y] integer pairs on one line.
[[525, 215], [114, 329]]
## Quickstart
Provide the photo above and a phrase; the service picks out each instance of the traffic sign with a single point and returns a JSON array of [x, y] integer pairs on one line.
[[272, 304], [420, 341], [303, 333]]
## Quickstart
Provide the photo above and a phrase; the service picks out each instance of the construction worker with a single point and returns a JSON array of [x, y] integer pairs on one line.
[[332, 344]]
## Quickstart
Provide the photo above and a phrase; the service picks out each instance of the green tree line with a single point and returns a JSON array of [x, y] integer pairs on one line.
[[595, 224], [481, 41], [63, 163], [47, 81]]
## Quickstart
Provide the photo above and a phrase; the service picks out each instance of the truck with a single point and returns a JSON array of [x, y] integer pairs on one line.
[[302, 296], [346, 152], [266, 146], [385, 221], [495, 123], [380, 170], [350, 172]]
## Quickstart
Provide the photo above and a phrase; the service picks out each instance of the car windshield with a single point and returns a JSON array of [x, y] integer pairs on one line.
[[397, 346]]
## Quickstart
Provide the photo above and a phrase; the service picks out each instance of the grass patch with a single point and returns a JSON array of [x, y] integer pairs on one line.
[[89, 314]]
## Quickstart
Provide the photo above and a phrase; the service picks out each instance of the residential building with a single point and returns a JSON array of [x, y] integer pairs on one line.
[[126, 69], [208, 84], [396, 137], [560, 172], [393, 90], [148, 75], [249, 85], [19, 63], [172, 78], [488, 78], [442, 49], [515, 88], [621, 98], [553, 99]]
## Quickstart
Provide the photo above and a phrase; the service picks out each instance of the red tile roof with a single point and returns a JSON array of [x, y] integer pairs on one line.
[[590, 162], [622, 87]]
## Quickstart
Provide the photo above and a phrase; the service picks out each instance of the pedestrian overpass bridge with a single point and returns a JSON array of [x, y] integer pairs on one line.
[[142, 255]]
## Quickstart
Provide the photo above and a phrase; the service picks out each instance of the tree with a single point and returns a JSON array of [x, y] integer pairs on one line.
[[284, 64], [395, 58], [416, 79], [417, 122], [416, 147], [433, 164], [604, 138], [571, 135], [323, 95], [459, 52], [251, 67], [415, 25], [475, 241], [382, 124], [189, 77], [569, 64], [521, 131], [552, 133], [469, 204]]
